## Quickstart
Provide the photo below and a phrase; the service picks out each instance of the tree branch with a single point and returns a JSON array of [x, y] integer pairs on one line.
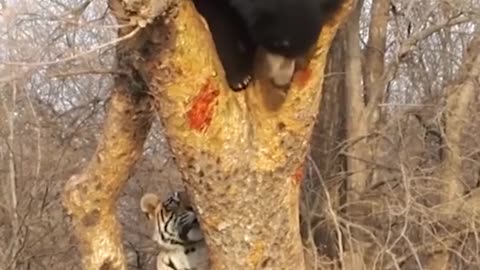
[[90, 197]]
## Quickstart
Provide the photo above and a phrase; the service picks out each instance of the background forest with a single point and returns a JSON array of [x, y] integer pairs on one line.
[[393, 174]]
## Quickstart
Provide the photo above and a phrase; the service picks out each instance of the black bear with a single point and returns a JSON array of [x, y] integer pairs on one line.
[[284, 29]]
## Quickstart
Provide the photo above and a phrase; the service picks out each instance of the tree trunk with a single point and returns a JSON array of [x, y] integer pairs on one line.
[[365, 84], [90, 197], [374, 57], [357, 116], [328, 134], [459, 107]]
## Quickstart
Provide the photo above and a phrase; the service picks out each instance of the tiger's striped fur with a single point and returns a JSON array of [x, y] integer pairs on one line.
[[177, 232]]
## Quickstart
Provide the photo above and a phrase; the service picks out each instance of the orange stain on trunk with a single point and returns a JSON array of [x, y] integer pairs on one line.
[[299, 174], [302, 77], [201, 113]]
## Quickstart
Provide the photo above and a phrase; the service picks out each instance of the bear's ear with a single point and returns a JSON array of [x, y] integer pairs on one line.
[[248, 10], [149, 204]]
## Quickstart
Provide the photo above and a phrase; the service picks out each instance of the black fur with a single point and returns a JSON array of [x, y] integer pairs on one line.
[[233, 43], [283, 27]]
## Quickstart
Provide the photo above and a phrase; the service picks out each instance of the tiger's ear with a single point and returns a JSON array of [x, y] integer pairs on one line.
[[149, 203], [184, 198]]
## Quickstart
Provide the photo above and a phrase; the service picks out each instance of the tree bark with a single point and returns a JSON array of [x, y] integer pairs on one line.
[[364, 93], [357, 116], [374, 57], [328, 134], [90, 197]]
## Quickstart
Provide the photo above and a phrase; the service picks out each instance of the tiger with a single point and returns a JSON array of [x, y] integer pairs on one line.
[[177, 232]]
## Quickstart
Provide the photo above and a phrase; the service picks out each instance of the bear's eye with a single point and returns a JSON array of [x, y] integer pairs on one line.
[[282, 44]]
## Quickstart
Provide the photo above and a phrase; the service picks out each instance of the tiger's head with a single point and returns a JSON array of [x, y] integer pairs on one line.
[[175, 222]]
